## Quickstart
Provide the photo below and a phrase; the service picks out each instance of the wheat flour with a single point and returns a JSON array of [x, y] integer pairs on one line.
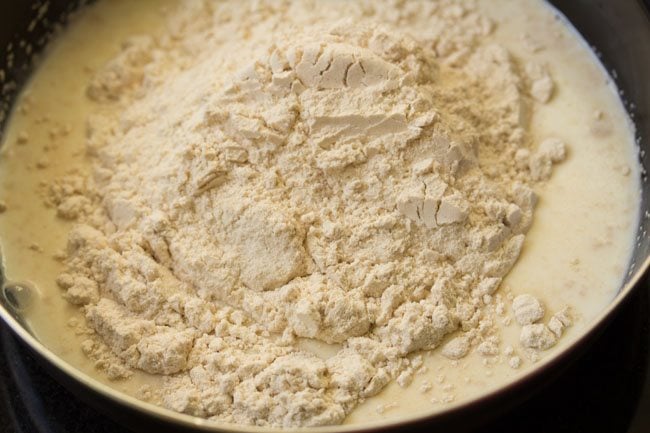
[[273, 170]]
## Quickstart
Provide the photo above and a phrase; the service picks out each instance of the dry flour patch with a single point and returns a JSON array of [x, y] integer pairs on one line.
[[269, 171]]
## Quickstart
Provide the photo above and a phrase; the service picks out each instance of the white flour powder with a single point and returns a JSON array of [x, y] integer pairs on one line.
[[266, 170]]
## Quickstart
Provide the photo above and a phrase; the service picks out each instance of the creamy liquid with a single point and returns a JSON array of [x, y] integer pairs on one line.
[[575, 254]]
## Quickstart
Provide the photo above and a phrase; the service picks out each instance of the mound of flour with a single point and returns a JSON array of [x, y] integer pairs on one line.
[[270, 171]]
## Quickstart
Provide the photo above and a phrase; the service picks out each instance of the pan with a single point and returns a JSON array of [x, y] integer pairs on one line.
[[619, 32]]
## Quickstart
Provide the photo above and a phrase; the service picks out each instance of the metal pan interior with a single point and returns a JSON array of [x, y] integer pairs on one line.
[[621, 50]]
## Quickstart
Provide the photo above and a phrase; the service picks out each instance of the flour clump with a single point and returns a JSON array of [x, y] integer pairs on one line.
[[351, 182]]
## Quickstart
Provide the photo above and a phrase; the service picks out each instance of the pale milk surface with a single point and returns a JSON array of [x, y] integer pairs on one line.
[[575, 254]]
